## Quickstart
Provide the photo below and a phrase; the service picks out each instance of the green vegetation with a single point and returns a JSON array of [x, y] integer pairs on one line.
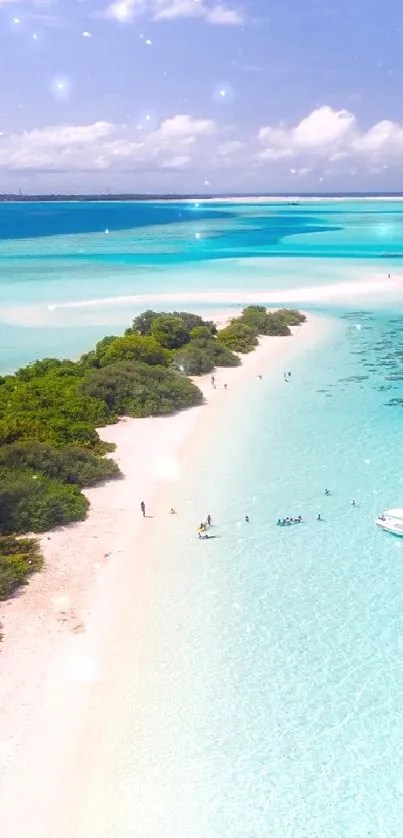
[[74, 466], [271, 322], [141, 390], [19, 558], [32, 503], [238, 336], [49, 412], [133, 348], [143, 324]]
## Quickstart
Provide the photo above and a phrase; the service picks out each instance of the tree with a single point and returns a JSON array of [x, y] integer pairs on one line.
[[142, 324], [194, 360], [135, 348], [30, 503], [292, 316], [138, 390], [169, 331], [39, 369], [67, 465], [200, 333], [223, 357], [276, 325], [238, 337], [256, 318]]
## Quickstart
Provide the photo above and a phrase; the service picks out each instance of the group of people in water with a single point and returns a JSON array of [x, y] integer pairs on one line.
[[287, 522], [204, 526]]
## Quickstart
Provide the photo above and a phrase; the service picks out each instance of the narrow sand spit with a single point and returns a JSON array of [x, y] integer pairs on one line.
[[57, 657]]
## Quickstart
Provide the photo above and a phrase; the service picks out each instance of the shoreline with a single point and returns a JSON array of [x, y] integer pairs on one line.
[[61, 635]]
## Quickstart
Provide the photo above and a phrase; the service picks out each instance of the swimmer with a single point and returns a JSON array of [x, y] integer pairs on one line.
[[318, 517], [352, 502], [247, 519], [327, 491]]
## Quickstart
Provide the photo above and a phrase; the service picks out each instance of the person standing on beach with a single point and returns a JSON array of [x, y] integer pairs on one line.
[[143, 509]]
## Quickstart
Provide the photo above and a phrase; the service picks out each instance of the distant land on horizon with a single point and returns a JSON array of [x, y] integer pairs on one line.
[[292, 196]]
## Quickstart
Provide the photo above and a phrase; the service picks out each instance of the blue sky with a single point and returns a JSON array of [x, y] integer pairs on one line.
[[201, 95]]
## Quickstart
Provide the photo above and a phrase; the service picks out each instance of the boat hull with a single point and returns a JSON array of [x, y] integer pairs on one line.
[[391, 528]]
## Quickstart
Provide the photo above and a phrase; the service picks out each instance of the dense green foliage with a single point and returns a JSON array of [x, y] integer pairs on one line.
[[134, 348], [238, 336], [142, 325], [203, 353], [68, 465], [271, 322], [19, 558], [194, 360], [141, 390], [32, 503], [170, 331], [292, 316]]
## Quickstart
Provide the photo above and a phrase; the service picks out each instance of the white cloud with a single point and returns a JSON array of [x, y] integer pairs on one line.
[[334, 134], [183, 149], [184, 126], [229, 148], [211, 11], [102, 146], [178, 162]]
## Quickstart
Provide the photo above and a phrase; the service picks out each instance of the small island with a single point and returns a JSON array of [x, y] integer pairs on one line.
[[50, 411]]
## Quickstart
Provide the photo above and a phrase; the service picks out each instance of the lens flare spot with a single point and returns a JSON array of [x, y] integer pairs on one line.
[[166, 469]]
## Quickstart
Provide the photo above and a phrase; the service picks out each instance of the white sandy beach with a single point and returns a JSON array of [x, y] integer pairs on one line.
[[63, 634]]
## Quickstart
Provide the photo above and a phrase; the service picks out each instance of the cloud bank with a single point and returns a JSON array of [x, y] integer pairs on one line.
[[334, 134], [196, 150]]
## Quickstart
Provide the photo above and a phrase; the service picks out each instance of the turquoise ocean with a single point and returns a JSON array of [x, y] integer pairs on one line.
[[275, 687]]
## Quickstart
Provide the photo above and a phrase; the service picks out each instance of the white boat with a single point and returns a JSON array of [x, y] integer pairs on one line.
[[392, 521]]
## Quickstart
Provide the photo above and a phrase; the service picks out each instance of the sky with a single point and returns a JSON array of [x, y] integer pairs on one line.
[[202, 96]]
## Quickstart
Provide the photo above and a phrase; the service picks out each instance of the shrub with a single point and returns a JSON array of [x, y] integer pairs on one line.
[[35, 505], [50, 409], [276, 325], [68, 465], [272, 322], [194, 360], [200, 333], [39, 369], [194, 321], [256, 318], [142, 323], [223, 357], [55, 431], [19, 558], [238, 337], [292, 316], [135, 348], [170, 331], [140, 390]]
